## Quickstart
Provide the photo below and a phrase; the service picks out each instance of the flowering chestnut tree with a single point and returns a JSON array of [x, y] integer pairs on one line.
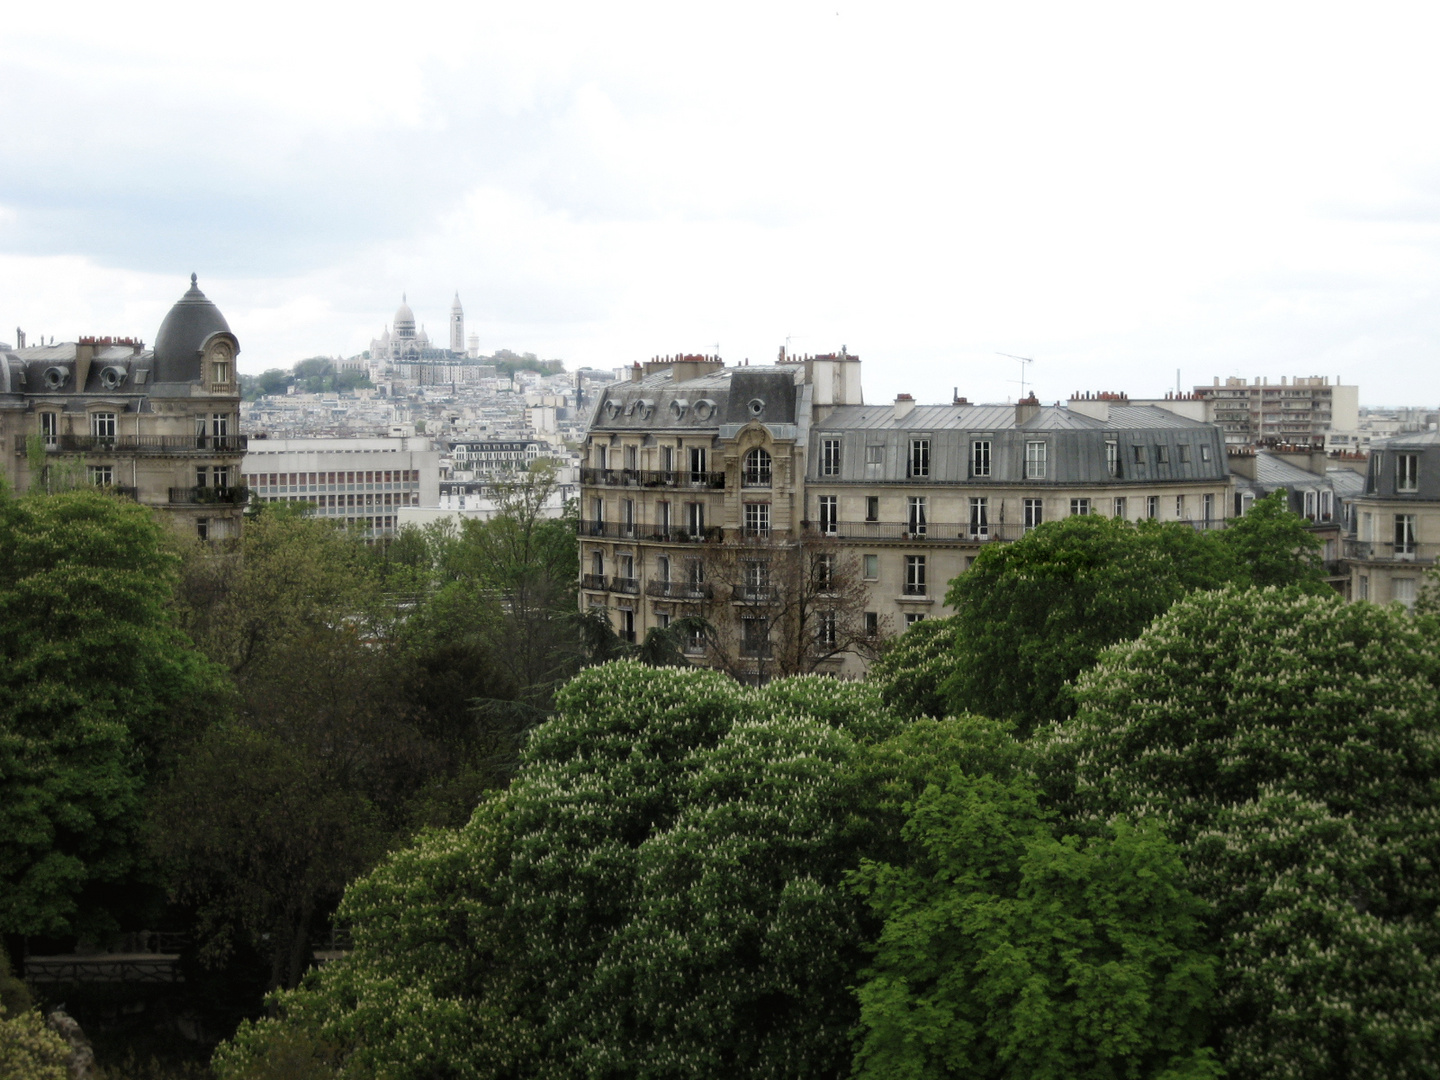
[[1290, 743]]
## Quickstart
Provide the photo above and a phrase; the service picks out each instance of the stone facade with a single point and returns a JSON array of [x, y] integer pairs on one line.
[[159, 425]]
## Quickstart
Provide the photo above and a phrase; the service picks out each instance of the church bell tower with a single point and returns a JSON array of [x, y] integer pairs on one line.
[[457, 326]]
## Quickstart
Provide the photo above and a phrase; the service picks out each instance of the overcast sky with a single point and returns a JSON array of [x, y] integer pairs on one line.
[[1118, 191]]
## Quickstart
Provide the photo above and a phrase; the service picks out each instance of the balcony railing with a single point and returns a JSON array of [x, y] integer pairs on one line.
[[609, 530], [211, 496], [755, 594], [592, 581], [1381, 551], [628, 585], [652, 478], [680, 590], [147, 444]]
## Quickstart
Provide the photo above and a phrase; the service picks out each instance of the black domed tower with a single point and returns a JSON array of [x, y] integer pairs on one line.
[[195, 343]]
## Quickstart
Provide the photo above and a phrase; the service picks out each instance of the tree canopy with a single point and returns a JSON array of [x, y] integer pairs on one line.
[[1290, 745], [98, 688], [1010, 949]]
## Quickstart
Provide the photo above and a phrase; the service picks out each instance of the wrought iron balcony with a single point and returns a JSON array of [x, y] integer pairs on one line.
[[680, 590], [652, 478], [211, 496], [147, 444]]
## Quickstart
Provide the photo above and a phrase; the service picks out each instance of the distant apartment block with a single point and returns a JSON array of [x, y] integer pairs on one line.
[[363, 482], [1298, 411]]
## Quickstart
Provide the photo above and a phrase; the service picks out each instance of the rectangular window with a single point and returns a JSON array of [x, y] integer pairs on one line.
[[875, 454], [914, 575], [597, 562], [1204, 452], [101, 475], [1120, 508], [1079, 507], [1139, 453], [627, 517], [917, 517], [1162, 455], [202, 475], [1310, 504], [754, 637], [667, 459], [50, 428], [872, 624], [870, 565], [1364, 589], [1035, 461], [220, 425], [1403, 590], [913, 617], [1034, 513], [695, 519], [1404, 534], [1112, 457], [824, 572], [919, 457], [222, 372], [825, 630], [872, 507], [756, 580], [1407, 472], [597, 517], [979, 517], [980, 457], [1179, 507], [757, 519], [830, 457], [631, 455], [1185, 454], [1327, 505], [1152, 506], [829, 514], [102, 425], [627, 566], [1207, 504], [694, 573], [698, 472]]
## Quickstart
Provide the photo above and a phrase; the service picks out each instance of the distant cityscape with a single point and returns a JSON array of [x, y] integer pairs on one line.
[[663, 453]]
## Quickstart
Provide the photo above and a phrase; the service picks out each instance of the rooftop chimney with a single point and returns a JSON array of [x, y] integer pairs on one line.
[[1025, 408], [903, 404]]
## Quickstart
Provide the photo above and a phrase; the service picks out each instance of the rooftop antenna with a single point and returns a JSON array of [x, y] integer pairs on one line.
[[1023, 361]]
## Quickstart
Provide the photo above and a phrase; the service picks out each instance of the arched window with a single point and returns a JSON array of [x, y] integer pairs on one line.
[[757, 468]]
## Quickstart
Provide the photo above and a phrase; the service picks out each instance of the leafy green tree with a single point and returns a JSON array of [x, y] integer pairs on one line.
[[1011, 950], [335, 750], [1290, 745], [916, 665], [1031, 615], [98, 689], [658, 893], [1275, 547], [29, 1050]]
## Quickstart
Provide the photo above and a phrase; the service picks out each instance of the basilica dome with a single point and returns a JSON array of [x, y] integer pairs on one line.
[[183, 336], [404, 320]]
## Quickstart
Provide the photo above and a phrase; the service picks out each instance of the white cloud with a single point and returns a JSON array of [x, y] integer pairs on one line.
[[1118, 190]]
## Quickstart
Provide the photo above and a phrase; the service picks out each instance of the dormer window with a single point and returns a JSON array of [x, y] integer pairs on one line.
[[220, 364]]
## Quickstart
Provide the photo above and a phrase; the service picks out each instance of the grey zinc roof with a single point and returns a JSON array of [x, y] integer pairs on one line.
[[999, 418], [1273, 472], [1417, 439]]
